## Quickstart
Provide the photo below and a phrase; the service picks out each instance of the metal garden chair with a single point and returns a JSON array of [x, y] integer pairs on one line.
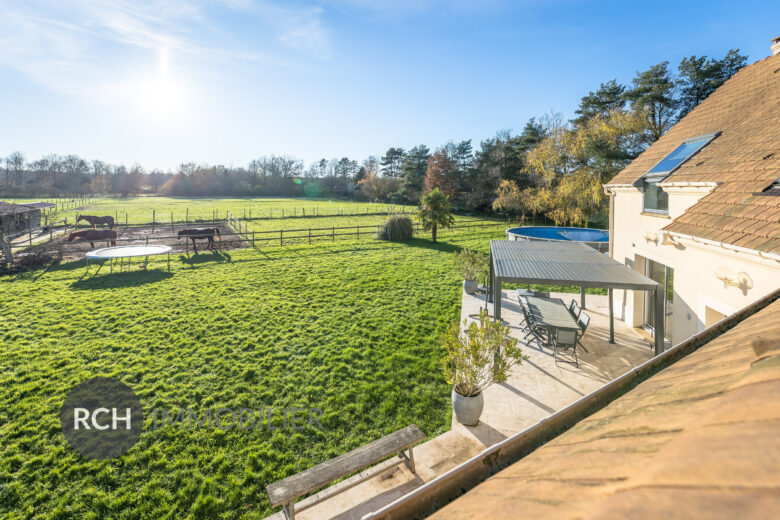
[[574, 309], [583, 322], [565, 340]]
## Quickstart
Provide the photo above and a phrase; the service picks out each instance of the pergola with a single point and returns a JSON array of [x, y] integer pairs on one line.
[[569, 263]]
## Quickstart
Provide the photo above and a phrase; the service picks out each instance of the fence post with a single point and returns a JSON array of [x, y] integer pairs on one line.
[[358, 232], [310, 235], [333, 231], [253, 238], [281, 237]]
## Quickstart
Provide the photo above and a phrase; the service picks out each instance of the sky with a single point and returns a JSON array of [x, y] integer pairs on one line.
[[225, 81]]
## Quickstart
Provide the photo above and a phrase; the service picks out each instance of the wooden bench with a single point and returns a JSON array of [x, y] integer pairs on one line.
[[285, 492]]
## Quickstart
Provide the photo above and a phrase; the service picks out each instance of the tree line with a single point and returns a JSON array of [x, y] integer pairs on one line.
[[553, 167]]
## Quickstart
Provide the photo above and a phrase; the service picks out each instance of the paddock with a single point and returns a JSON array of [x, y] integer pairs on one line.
[[148, 236]]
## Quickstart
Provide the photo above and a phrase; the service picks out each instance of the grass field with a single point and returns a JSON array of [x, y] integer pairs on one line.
[[260, 214], [350, 327], [138, 210]]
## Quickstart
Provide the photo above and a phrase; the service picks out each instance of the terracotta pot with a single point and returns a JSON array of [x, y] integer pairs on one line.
[[467, 409]]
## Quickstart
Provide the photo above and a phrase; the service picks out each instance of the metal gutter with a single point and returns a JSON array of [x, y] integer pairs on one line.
[[722, 245], [445, 488]]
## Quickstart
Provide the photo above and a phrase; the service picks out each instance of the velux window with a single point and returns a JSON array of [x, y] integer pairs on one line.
[[655, 198]]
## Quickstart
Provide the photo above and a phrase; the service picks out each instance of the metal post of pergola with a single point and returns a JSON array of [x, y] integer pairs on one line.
[[572, 264]]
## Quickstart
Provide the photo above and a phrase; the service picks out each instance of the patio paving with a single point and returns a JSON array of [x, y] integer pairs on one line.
[[539, 386], [535, 389]]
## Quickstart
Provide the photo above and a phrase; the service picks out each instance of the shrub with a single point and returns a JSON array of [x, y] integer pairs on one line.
[[472, 264], [397, 228], [480, 356]]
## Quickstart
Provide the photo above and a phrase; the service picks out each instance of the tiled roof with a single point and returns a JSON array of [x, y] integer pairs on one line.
[[743, 160], [696, 440]]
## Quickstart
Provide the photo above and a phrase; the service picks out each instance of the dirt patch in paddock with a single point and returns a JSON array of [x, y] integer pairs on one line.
[[159, 235]]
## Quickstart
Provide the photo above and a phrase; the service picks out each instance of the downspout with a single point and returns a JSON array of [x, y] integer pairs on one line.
[[611, 222]]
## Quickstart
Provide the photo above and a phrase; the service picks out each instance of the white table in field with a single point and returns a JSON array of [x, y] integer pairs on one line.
[[120, 253]]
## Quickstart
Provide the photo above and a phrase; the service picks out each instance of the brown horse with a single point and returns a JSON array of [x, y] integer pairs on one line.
[[93, 235], [97, 220], [201, 234]]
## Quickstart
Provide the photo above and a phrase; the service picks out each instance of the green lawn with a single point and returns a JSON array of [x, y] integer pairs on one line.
[[140, 209], [266, 214], [349, 327]]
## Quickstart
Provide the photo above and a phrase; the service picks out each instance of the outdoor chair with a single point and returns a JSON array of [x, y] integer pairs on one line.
[[531, 329], [565, 340], [583, 322], [575, 310], [524, 292]]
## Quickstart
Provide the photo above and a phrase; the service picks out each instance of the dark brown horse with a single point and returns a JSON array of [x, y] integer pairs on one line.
[[93, 235], [201, 234], [97, 220]]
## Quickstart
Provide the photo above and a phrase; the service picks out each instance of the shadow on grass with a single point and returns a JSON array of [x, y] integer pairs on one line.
[[438, 246], [202, 258], [119, 280]]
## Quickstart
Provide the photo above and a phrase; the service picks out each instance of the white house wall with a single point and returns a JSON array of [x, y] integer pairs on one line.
[[696, 286]]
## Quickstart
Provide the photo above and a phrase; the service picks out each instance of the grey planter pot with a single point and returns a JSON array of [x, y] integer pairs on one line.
[[467, 409], [470, 286]]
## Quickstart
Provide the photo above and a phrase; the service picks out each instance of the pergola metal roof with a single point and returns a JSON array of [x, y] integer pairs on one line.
[[567, 263]]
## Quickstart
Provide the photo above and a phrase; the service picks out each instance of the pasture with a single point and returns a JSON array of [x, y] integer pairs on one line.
[[349, 327], [141, 210]]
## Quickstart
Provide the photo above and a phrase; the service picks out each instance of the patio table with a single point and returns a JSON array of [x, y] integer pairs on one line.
[[550, 314]]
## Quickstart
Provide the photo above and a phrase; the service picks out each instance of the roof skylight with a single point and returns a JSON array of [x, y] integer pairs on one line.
[[680, 154]]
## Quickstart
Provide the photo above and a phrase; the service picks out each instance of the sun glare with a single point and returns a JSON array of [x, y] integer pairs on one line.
[[160, 96]]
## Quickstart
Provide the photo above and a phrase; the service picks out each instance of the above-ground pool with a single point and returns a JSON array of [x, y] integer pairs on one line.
[[596, 238]]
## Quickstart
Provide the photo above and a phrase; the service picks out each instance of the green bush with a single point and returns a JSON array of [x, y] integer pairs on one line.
[[397, 228], [472, 264]]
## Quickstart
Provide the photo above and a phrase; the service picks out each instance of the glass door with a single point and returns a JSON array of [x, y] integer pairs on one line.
[[665, 276]]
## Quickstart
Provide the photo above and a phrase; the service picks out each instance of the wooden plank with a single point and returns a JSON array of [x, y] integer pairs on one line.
[[317, 476]]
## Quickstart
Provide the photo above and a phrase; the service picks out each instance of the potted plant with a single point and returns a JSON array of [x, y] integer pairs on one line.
[[473, 267], [480, 355]]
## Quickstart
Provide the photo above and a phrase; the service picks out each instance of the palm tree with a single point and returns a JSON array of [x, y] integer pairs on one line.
[[435, 210]]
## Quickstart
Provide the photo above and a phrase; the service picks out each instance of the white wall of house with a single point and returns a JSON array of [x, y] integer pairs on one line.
[[700, 298]]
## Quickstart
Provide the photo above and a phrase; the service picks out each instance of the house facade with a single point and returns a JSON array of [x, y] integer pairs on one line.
[[699, 211]]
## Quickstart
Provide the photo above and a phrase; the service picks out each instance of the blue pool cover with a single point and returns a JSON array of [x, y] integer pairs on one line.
[[561, 233]]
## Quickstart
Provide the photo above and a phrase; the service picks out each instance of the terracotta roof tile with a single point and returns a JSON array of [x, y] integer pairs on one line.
[[745, 158]]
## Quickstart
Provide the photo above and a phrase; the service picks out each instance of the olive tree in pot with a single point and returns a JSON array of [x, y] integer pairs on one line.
[[473, 267], [480, 355]]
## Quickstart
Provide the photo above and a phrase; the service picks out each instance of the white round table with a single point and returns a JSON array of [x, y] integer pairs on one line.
[[122, 252]]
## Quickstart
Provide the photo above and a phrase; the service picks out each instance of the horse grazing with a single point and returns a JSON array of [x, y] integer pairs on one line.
[[201, 234], [97, 220], [93, 235]]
